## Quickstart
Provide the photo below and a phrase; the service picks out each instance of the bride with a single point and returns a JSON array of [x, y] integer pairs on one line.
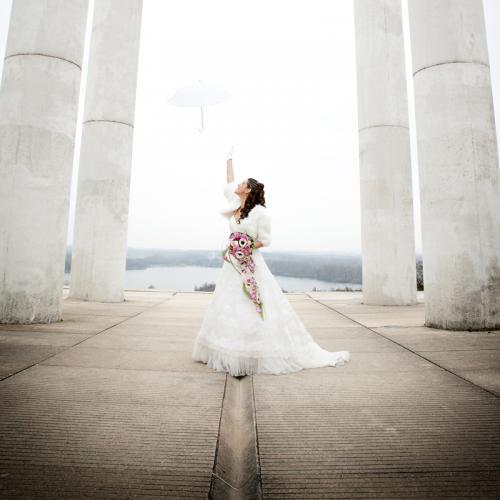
[[246, 333]]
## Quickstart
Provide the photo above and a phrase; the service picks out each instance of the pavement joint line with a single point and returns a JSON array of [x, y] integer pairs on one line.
[[84, 340], [216, 453], [236, 469], [416, 353], [225, 482], [257, 446]]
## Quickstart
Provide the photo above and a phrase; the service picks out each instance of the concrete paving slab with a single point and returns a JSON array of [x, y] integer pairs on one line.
[[388, 319], [337, 296], [351, 308], [325, 320], [72, 323], [124, 412], [396, 362], [17, 357], [357, 345], [109, 422], [142, 342], [488, 378], [22, 349], [56, 339], [465, 360], [400, 317], [163, 319], [481, 366], [329, 433], [139, 432], [139, 294], [101, 309], [390, 425], [350, 297], [432, 339], [358, 307], [154, 330], [340, 332], [178, 359]]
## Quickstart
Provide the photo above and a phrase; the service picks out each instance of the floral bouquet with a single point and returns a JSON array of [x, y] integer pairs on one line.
[[241, 247]]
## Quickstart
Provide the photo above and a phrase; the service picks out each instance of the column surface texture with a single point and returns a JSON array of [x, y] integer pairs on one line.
[[458, 164], [38, 113], [101, 219], [387, 228]]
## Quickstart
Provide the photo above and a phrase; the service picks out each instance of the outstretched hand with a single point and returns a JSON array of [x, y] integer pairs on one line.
[[229, 155]]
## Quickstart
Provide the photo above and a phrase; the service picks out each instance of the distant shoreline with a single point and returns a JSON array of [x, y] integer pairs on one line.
[[333, 267]]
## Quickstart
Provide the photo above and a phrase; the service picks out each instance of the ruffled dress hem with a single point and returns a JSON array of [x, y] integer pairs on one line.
[[237, 365]]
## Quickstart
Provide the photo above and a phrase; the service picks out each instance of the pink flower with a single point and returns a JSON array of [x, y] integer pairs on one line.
[[241, 248]]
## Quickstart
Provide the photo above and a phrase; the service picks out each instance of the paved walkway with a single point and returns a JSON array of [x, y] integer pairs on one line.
[[109, 404]]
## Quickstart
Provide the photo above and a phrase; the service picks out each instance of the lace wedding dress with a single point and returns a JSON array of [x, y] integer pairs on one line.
[[233, 337]]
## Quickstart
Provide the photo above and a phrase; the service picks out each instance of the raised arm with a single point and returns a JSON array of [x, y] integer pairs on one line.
[[229, 165]]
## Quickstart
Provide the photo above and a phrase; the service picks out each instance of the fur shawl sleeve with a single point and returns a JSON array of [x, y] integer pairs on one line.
[[264, 233]]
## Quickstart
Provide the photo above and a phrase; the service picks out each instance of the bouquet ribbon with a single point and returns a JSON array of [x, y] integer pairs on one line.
[[240, 249]]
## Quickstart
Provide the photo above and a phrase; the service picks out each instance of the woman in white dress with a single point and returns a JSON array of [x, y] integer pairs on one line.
[[233, 337]]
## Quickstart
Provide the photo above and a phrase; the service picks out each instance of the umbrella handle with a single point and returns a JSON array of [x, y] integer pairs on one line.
[[202, 124]]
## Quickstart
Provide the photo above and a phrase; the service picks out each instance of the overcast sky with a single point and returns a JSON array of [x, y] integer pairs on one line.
[[291, 67]]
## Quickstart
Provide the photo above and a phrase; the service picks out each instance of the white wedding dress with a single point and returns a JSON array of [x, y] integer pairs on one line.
[[233, 337]]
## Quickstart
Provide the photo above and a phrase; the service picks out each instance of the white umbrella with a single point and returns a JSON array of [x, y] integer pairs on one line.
[[199, 95]]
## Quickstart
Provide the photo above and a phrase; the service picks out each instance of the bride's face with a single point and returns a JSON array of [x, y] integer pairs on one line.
[[242, 188]]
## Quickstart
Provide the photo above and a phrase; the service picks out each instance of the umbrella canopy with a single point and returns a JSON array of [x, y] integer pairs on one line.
[[199, 95]]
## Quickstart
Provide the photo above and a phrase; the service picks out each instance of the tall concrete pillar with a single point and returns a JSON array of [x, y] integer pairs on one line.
[[38, 112], [458, 164], [101, 218], [387, 232]]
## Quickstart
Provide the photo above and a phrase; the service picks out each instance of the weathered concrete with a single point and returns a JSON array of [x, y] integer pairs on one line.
[[124, 412], [38, 111], [101, 217], [387, 232], [458, 164], [94, 420], [25, 345], [392, 424], [236, 468]]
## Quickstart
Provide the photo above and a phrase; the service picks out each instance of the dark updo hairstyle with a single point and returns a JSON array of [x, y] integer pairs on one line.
[[255, 197]]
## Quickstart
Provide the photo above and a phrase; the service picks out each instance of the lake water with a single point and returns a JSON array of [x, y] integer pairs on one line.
[[185, 278]]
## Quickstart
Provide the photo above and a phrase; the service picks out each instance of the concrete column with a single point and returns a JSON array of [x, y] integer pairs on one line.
[[458, 164], [387, 232], [101, 218], [38, 112]]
